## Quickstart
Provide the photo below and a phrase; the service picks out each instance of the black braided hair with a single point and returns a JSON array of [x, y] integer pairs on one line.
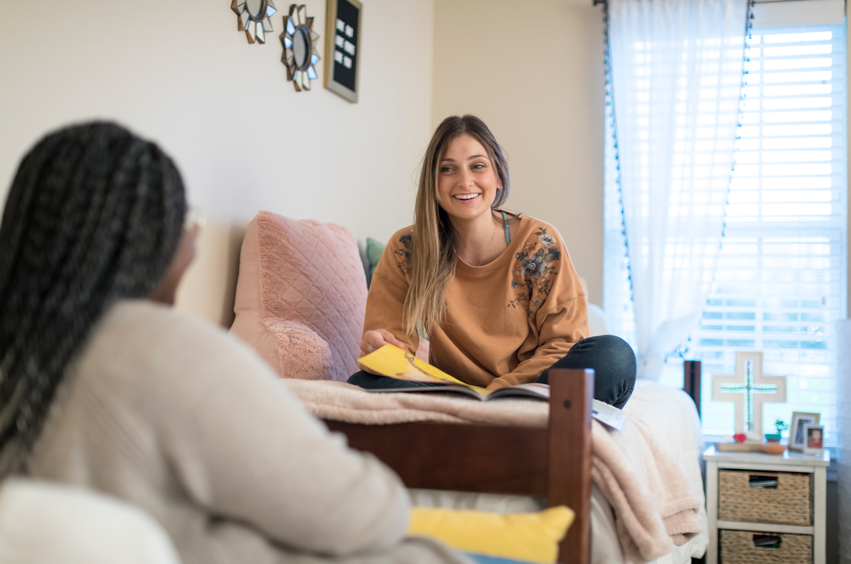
[[94, 215]]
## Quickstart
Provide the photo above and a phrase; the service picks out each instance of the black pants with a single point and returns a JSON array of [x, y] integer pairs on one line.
[[611, 358]]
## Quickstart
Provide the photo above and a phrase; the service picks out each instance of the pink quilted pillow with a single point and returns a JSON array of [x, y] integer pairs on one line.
[[301, 297]]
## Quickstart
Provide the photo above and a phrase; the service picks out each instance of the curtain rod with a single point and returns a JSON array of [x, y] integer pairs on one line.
[[597, 2]]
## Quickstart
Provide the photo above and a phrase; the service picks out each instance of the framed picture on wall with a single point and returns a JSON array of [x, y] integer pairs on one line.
[[342, 47]]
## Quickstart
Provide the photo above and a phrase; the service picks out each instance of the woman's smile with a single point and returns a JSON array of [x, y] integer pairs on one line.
[[466, 197]]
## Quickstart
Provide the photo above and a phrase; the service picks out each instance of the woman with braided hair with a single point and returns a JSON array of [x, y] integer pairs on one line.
[[104, 386]]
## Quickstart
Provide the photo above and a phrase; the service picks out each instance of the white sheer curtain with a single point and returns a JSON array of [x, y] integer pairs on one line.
[[843, 454], [676, 74]]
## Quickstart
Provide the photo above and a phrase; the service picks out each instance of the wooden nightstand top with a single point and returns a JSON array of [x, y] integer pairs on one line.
[[787, 458]]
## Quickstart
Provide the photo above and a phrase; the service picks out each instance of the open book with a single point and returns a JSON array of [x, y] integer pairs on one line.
[[393, 362]]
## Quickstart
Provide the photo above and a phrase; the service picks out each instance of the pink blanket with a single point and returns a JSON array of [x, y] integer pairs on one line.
[[652, 501]]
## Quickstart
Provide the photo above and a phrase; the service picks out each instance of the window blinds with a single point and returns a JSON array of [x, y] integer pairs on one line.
[[781, 278]]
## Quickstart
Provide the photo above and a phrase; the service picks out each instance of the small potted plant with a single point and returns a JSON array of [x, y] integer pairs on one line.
[[781, 426]]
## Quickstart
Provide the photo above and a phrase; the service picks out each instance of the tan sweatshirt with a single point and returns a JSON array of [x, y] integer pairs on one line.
[[506, 321]]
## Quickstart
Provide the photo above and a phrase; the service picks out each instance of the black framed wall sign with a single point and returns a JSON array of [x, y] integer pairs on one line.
[[342, 47]]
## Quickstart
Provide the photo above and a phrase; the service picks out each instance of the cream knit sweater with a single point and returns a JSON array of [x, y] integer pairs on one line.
[[171, 414]]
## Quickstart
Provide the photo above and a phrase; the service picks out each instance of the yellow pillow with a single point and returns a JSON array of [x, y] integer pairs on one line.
[[530, 537]]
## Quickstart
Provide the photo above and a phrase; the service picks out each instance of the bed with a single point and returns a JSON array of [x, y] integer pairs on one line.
[[524, 469], [520, 467]]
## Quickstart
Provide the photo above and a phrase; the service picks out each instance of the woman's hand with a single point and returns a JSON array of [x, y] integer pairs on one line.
[[374, 340]]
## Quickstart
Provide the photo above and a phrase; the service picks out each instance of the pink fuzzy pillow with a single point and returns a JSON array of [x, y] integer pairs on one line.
[[301, 297]]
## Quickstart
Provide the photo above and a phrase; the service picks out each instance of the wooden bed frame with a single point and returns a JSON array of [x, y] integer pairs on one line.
[[552, 463]]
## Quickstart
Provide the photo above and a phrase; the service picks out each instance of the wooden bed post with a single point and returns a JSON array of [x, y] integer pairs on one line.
[[554, 462], [569, 481], [691, 381]]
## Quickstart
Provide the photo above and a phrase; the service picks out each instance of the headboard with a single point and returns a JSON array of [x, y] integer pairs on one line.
[[209, 286]]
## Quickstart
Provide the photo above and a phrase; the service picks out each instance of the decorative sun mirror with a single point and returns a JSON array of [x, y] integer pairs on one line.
[[299, 41], [254, 18]]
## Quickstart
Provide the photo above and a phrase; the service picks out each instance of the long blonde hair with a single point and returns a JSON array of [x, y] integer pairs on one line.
[[433, 256]]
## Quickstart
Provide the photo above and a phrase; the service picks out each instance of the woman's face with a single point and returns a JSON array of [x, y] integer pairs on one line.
[[466, 180]]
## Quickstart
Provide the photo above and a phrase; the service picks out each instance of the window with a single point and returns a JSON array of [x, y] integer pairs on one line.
[[781, 278]]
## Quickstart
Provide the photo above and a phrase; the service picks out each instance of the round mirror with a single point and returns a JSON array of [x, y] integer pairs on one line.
[[301, 47], [299, 42], [254, 18], [255, 8]]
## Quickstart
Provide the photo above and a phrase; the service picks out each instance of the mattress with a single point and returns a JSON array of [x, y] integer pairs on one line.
[[677, 427]]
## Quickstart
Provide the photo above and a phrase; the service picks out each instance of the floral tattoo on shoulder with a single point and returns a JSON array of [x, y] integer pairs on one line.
[[533, 271]]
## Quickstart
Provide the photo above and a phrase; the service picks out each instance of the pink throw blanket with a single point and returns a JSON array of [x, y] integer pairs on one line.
[[653, 504]]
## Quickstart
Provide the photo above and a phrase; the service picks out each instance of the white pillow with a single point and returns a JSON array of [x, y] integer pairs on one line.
[[47, 523], [597, 324]]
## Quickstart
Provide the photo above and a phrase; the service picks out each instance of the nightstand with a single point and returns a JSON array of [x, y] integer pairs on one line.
[[754, 498]]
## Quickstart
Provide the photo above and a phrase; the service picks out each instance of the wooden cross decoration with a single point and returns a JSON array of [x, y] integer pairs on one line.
[[749, 389]]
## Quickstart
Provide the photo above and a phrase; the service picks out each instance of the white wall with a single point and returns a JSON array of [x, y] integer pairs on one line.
[[533, 71], [180, 73]]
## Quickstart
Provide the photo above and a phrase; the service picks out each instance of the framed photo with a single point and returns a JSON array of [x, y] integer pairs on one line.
[[814, 439], [797, 435], [342, 47]]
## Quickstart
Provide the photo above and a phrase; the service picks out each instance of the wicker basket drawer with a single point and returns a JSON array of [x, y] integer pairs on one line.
[[748, 547], [765, 497]]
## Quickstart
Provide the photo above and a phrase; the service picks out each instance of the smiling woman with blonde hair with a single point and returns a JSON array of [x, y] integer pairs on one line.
[[495, 291]]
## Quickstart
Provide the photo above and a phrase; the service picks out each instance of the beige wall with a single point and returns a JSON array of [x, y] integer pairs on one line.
[[180, 73], [533, 71]]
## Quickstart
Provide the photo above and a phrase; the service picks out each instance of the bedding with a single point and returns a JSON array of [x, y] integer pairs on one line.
[[640, 536], [677, 428]]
